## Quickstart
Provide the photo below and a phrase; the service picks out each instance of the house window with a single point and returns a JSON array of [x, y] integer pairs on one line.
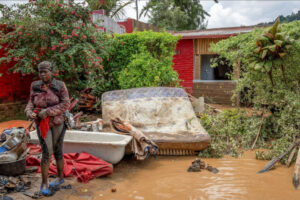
[[217, 73]]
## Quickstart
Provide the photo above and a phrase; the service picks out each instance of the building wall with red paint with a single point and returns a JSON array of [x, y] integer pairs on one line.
[[13, 86], [184, 62], [128, 24]]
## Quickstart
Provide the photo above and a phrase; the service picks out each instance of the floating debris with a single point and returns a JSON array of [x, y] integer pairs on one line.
[[199, 164]]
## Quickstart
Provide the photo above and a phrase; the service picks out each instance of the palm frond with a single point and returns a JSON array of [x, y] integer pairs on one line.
[[120, 10]]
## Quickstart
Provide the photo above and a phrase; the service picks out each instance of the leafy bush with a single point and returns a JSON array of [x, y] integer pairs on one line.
[[141, 59], [231, 132], [145, 70], [279, 93], [61, 33]]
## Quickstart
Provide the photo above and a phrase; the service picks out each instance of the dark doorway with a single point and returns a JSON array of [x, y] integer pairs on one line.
[[220, 72]]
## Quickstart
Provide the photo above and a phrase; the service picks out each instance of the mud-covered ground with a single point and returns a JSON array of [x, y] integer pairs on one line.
[[166, 177]]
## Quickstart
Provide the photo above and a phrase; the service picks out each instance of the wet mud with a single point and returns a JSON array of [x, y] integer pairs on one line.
[[166, 177]]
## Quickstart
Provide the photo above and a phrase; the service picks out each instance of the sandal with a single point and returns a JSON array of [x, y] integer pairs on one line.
[[46, 191], [56, 182]]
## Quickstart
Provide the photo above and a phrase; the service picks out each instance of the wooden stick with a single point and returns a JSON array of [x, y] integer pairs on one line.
[[291, 155], [259, 129], [296, 176]]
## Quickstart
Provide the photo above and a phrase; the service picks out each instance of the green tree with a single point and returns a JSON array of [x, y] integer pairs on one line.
[[285, 19], [270, 69], [176, 14], [61, 33], [113, 8]]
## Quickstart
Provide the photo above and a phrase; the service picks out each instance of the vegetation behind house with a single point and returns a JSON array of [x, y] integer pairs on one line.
[[269, 80], [139, 59]]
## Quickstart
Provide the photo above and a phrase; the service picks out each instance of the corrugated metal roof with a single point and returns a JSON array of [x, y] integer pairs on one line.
[[214, 33]]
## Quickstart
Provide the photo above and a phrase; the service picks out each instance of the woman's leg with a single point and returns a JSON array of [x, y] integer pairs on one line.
[[47, 151], [57, 139]]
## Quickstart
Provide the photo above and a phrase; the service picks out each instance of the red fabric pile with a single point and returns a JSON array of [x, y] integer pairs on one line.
[[85, 166]]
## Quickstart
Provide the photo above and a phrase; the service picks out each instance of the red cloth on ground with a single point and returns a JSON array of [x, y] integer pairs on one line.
[[85, 166], [44, 127], [34, 149]]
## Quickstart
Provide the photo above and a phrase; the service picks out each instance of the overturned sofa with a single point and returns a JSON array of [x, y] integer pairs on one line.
[[164, 114]]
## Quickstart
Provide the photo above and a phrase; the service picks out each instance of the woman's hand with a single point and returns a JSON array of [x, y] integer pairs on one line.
[[43, 114], [30, 114]]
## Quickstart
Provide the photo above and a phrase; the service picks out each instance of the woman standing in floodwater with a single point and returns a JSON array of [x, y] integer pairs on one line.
[[49, 99]]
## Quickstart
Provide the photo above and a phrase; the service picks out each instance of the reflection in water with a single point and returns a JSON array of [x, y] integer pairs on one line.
[[167, 178]]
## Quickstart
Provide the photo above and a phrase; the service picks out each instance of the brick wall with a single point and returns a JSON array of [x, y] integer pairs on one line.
[[14, 110], [217, 91], [183, 63]]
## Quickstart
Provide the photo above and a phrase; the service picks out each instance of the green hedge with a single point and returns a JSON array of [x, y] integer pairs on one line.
[[140, 59]]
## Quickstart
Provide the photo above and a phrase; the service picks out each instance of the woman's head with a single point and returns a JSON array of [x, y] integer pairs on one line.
[[45, 71]]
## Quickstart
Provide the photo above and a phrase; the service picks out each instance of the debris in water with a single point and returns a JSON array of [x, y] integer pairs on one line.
[[271, 164], [296, 175], [199, 164]]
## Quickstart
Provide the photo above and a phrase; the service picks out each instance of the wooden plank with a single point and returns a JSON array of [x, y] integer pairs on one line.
[[197, 67], [202, 45]]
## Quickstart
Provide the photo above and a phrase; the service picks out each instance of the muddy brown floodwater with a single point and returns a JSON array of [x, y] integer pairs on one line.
[[167, 178]]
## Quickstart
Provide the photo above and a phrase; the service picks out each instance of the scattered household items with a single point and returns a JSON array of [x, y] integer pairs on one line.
[[141, 146], [9, 184], [94, 126], [296, 175], [69, 118], [271, 163], [199, 164], [13, 152], [107, 146], [13, 168], [82, 165], [165, 116], [6, 198], [87, 100]]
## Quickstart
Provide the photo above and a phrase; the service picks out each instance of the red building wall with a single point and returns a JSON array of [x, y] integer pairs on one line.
[[183, 63], [128, 24], [13, 86]]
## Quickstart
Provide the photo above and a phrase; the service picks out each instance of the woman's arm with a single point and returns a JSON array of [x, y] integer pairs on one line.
[[62, 106]]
